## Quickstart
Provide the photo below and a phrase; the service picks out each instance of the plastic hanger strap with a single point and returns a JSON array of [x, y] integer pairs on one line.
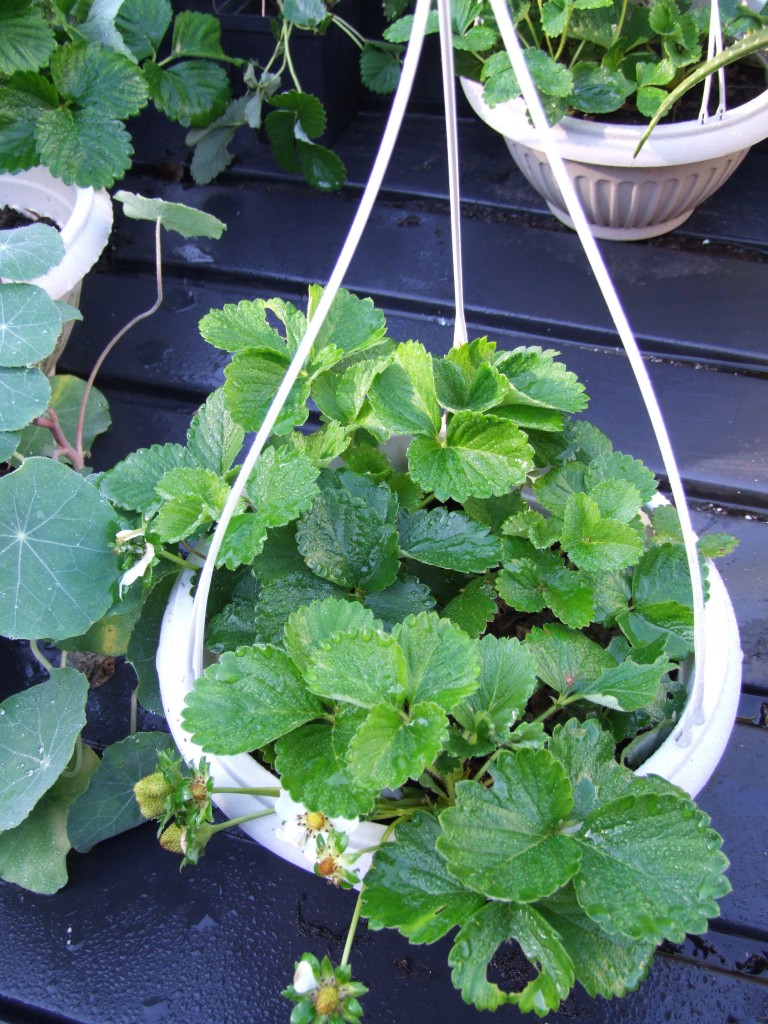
[[714, 46], [612, 301], [371, 191]]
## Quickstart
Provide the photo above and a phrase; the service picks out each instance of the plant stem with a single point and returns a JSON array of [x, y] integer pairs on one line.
[[134, 710], [50, 421], [176, 559], [353, 927], [222, 826], [288, 59], [40, 657], [348, 30], [254, 791], [120, 334]]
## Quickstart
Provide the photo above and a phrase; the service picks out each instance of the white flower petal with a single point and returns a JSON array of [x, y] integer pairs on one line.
[[304, 979]]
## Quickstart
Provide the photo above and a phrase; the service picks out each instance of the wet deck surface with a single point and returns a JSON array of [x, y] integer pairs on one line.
[[130, 940]]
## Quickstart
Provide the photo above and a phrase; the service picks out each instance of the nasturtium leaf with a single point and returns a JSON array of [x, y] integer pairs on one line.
[[597, 543], [184, 220], [214, 439], [312, 765], [9, 442], [473, 608], [480, 937], [524, 855], [131, 483], [348, 542], [29, 324], [33, 854], [66, 400], [408, 887], [196, 34], [481, 456], [243, 541], [85, 147], [536, 378], [451, 540], [364, 667], [26, 38], [391, 747], [314, 623], [250, 697], [406, 596], [57, 566], [566, 658], [606, 965], [192, 92], [25, 393], [441, 661], [108, 806], [191, 499], [651, 867], [29, 252], [252, 380], [242, 326], [281, 596], [38, 731], [403, 396], [281, 486], [507, 680]]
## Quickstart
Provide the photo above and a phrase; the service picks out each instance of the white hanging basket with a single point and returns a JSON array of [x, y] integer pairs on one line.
[[628, 197], [84, 217]]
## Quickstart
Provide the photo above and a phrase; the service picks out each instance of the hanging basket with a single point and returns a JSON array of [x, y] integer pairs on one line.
[[628, 197]]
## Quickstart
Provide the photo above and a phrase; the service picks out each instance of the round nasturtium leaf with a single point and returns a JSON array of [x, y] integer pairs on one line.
[[57, 566]]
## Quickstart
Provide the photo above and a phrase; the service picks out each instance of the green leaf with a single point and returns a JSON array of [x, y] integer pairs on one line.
[[29, 252], [651, 867], [281, 556], [507, 681], [537, 379], [524, 855], [24, 394], [26, 39], [465, 378], [661, 600], [249, 698], [307, 14], [390, 747], [131, 483], [282, 485], [315, 623], [364, 667], [352, 325], [192, 92], [320, 166], [627, 687], [606, 965], [341, 396], [252, 380], [307, 112], [245, 325], [481, 456], [109, 634], [143, 24], [243, 541], [717, 545], [197, 35], [473, 608], [616, 466], [406, 596], [21, 105], [108, 806], [184, 220], [101, 83], [9, 442], [34, 853], [408, 887], [349, 543], [380, 67], [39, 730], [192, 499], [597, 89], [312, 765], [280, 597], [441, 661], [66, 398], [525, 584], [565, 658], [214, 439], [57, 569], [403, 397], [450, 540], [142, 646], [597, 543], [30, 324], [478, 941], [324, 445], [83, 147]]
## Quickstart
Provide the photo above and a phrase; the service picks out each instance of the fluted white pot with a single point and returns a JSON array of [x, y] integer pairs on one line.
[[628, 197]]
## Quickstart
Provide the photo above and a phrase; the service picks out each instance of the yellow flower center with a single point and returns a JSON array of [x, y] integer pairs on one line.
[[315, 821], [326, 999]]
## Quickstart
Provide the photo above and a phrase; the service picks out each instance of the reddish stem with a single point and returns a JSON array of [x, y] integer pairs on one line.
[[51, 422]]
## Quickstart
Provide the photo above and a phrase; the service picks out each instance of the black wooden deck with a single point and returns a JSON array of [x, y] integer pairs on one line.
[[130, 940]]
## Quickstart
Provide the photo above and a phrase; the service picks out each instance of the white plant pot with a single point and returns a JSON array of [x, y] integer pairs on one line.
[[84, 217], [628, 197], [687, 758]]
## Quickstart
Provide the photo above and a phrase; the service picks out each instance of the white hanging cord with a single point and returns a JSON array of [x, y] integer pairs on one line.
[[389, 138], [714, 46], [452, 140], [599, 269]]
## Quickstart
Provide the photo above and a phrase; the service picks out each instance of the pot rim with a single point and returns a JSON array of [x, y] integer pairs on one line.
[[613, 145]]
